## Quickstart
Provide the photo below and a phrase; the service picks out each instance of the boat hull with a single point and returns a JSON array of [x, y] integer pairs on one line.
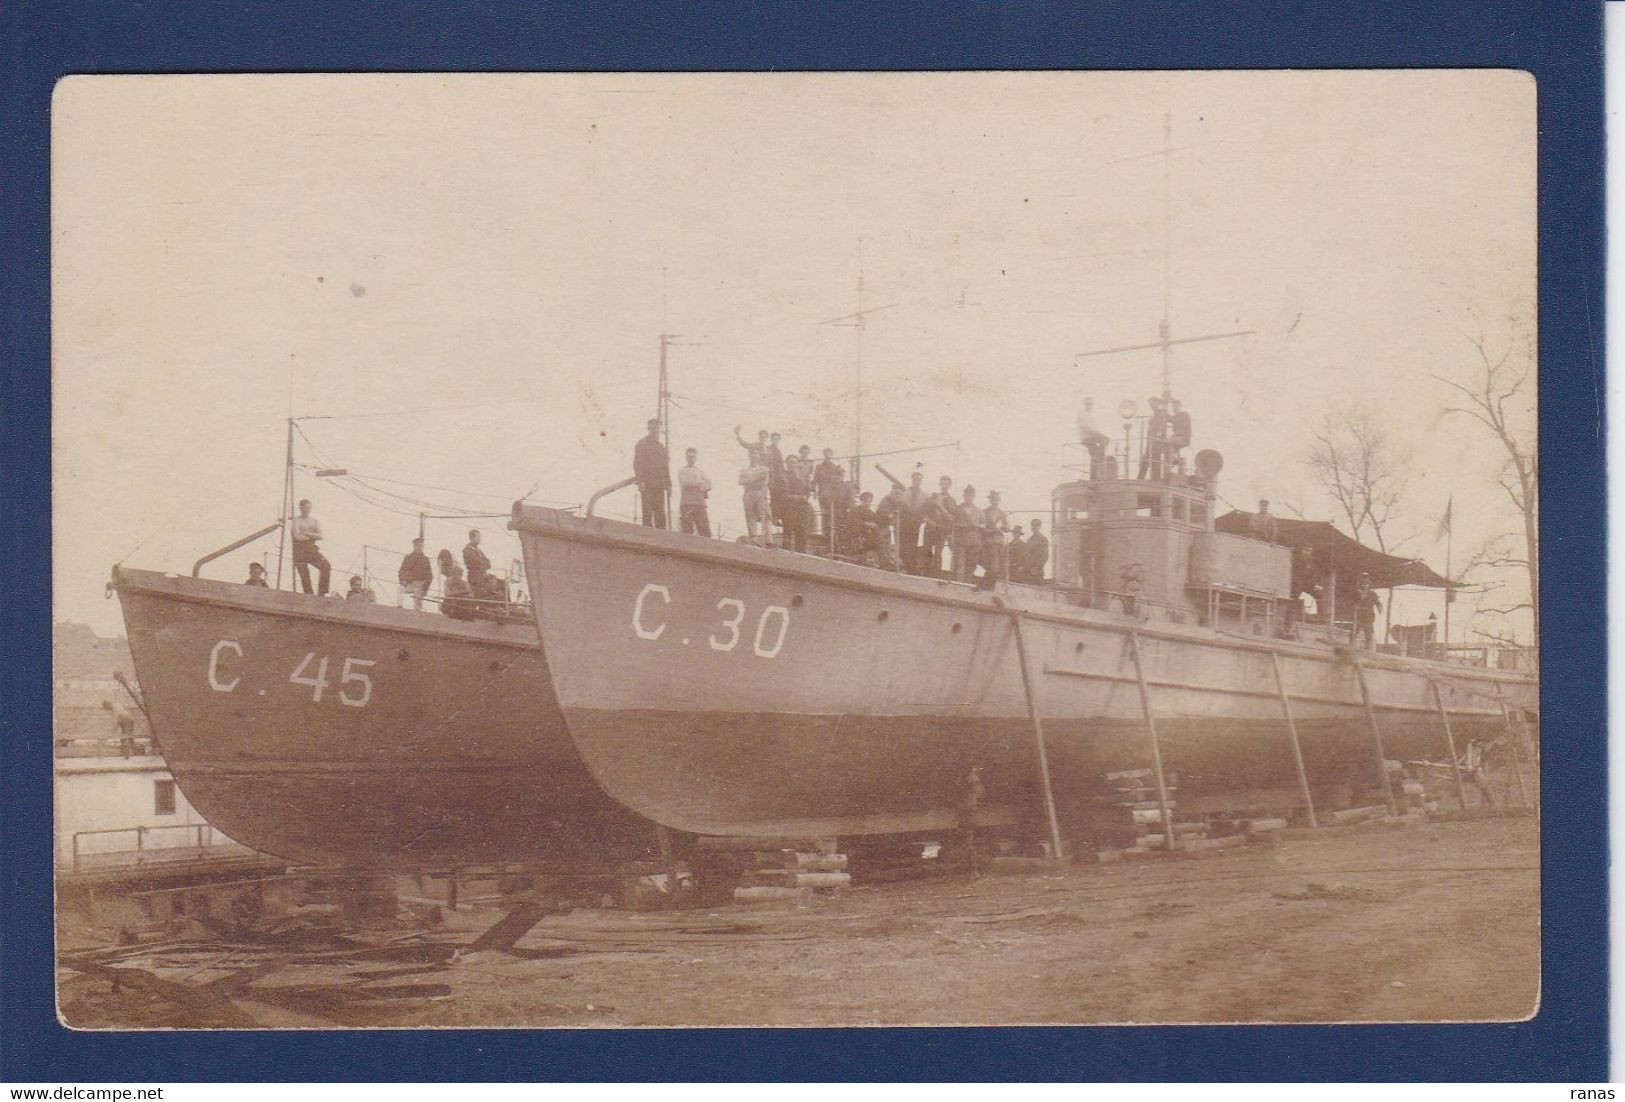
[[724, 689], [363, 736]]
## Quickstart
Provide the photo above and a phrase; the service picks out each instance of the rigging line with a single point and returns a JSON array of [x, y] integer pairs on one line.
[[405, 482], [376, 504], [908, 451], [412, 412], [432, 486], [419, 504], [328, 462], [422, 503]]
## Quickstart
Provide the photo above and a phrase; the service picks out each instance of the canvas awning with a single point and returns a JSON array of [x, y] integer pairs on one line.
[[1348, 555]]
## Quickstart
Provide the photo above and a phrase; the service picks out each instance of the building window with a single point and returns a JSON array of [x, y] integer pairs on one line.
[[1150, 505], [163, 797]]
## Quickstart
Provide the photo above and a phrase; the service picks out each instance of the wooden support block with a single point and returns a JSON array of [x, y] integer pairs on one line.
[[1386, 822], [1260, 826], [757, 845], [1356, 814], [789, 878], [761, 893], [821, 862], [1128, 774], [803, 862]]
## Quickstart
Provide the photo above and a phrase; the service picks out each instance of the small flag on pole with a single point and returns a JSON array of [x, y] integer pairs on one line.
[[1444, 521]]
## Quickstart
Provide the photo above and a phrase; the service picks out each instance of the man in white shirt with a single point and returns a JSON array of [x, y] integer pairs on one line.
[[693, 489], [1093, 439], [754, 478], [306, 530]]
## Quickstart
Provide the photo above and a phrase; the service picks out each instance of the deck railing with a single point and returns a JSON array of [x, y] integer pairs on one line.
[[198, 841]]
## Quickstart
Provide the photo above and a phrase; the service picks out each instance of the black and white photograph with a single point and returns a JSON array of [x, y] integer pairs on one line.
[[606, 550]]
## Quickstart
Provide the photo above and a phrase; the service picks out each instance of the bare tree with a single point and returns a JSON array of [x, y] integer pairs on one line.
[[1501, 399], [1361, 470]]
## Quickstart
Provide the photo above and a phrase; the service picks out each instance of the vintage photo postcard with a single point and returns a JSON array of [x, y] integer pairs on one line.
[[605, 550]]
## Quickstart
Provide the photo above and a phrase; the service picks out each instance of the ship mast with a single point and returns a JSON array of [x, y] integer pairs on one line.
[[857, 321], [663, 411], [287, 504], [1165, 338]]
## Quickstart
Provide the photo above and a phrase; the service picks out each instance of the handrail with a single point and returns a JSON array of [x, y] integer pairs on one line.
[[229, 548], [202, 833], [621, 485]]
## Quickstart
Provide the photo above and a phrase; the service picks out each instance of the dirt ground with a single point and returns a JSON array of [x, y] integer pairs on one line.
[[1434, 922]]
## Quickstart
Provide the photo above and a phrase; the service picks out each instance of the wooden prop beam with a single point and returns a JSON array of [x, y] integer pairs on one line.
[[1376, 733], [1292, 731], [1156, 746], [1512, 746], [1038, 738], [1450, 741]]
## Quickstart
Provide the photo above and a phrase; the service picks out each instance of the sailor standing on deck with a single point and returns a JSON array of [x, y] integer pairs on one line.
[[256, 575], [416, 575], [306, 530], [941, 526], [456, 598], [995, 530], [827, 477], [486, 586], [1037, 554], [774, 458], [694, 489], [759, 446], [1366, 605], [967, 543], [1179, 435], [889, 515], [794, 511], [474, 560], [754, 479], [1155, 457], [652, 469], [1093, 440], [846, 500], [916, 513], [1016, 553]]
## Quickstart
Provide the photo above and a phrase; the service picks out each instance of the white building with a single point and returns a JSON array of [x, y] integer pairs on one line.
[[115, 803]]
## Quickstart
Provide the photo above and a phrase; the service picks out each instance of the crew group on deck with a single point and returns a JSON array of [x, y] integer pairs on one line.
[[469, 590], [794, 503]]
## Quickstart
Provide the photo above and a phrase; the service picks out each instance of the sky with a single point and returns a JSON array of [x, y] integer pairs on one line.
[[458, 284]]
